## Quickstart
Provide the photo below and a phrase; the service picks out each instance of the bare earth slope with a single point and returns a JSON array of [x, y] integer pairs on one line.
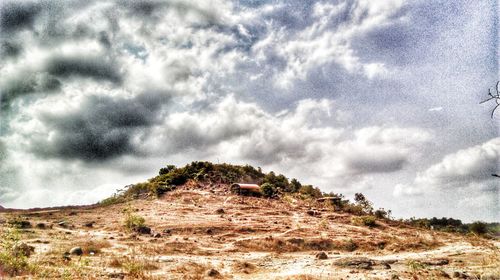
[[203, 233]]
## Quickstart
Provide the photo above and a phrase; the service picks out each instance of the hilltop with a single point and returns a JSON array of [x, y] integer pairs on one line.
[[186, 223]]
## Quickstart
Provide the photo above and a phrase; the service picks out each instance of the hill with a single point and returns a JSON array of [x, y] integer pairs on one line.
[[186, 223]]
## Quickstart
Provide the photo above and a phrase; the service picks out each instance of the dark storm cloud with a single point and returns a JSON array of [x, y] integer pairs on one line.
[[95, 67], [17, 15], [102, 128], [367, 163], [28, 84], [10, 49]]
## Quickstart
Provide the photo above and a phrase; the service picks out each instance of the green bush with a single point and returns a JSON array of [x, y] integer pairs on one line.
[[268, 190], [133, 221], [368, 221], [310, 191], [478, 227]]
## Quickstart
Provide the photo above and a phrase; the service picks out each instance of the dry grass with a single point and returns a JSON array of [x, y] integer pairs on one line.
[[244, 267], [190, 271]]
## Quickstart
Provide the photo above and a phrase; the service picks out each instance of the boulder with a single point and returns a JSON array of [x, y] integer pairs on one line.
[[213, 273], [76, 251], [321, 256], [436, 262], [143, 230], [360, 263], [23, 249]]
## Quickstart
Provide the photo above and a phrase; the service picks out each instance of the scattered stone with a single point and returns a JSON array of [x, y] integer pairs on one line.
[[63, 224], [66, 256], [360, 263], [119, 275], [158, 235], [219, 211], [143, 230], [213, 273], [442, 274], [41, 226], [460, 275], [72, 213], [394, 277], [23, 250], [321, 256], [167, 231], [76, 251], [436, 262], [313, 213], [210, 231], [89, 224]]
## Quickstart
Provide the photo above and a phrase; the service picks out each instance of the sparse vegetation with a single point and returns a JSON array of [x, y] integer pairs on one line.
[[368, 221], [199, 221], [13, 260], [133, 221]]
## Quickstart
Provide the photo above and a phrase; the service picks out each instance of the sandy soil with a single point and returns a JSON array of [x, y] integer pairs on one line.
[[200, 233]]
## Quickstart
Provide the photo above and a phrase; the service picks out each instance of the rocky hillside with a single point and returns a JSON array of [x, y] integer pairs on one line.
[[196, 228]]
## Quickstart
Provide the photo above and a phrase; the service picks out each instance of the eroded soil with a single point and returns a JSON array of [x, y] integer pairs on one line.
[[202, 233]]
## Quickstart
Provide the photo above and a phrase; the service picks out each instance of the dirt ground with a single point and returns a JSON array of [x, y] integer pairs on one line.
[[210, 234]]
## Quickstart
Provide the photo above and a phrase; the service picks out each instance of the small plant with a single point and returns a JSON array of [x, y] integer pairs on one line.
[[268, 190], [133, 221], [12, 260], [414, 265], [368, 221]]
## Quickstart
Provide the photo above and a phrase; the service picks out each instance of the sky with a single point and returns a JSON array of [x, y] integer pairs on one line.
[[378, 97]]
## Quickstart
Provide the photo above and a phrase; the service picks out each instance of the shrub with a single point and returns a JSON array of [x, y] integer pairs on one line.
[[478, 227], [115, 199], [133, 221], [19, 222], [362, 201], [368, 221], [381, 213], [268, 190], [310, 191], [12, 261]]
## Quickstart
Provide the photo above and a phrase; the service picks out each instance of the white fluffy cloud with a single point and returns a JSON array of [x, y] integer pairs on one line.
[[335, 94]]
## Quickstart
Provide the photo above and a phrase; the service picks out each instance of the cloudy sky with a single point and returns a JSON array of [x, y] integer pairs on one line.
[[379, 97]]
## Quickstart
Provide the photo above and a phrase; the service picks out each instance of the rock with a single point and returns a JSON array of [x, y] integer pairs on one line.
[[23, 249], [66, 256], [460, 275], [219, 211], [89, 224], [394, 277], [41, 226], [313, 213], [213, 273], [321, 256], [63, 224], [143, 230], [119, 275], [167, 231], [436, 262], [76, 251], [360, 263], [72, 213], [210, 231], [158, 235]]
